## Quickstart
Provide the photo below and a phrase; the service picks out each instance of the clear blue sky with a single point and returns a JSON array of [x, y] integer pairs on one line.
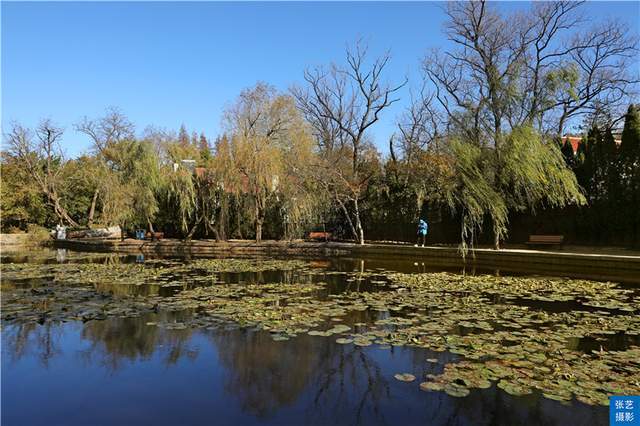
[[169, 63]]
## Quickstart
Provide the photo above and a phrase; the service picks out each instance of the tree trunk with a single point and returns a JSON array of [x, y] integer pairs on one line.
[[222, 219], [236, 202], [92, 210], [193, 228], [498, 184], [561, 122], [60, 211], [346, 214], [210, 228], [258, 231], [259, 221], [358, 223], [153, 234]]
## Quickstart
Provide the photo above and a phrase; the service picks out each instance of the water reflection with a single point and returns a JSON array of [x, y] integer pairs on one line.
[[307, 380], [40, 342], [136, 339], [150, 362], [266, 375]]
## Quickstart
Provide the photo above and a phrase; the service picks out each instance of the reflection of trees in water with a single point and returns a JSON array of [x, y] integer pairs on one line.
[[349, 384], [267, 375], [124, 290], [269, 276], [335, 384], [31, 339], [494, 407], [111, 341], [263, 374], [119, 339]]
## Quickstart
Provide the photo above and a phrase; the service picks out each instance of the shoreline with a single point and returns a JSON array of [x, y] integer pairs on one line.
[[615, 267]]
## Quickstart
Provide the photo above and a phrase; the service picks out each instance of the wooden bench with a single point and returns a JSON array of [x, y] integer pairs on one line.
[[319, 236], [154, 236], [550, 240]]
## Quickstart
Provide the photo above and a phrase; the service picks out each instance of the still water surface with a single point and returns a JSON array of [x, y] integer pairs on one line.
[[126, 371]]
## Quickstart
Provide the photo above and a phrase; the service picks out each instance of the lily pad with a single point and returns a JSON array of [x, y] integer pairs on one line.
[[405, 377], [456, 390]]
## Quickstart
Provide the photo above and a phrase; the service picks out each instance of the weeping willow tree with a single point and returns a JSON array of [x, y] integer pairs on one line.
[[533, 174], [506, 71], [193, 198], [130, 181], [469, 192], [180, 192], [300, 198], [268, 140]]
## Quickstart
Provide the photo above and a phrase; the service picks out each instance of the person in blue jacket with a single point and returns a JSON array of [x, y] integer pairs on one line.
[[423, 227]]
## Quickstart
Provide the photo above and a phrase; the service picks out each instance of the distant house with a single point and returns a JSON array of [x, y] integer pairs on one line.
[[186, 164], [200, 172], [575, 141]]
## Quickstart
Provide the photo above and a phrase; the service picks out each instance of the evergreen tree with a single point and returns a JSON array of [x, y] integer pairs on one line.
[[183, 136], [630, 166], [630, 146], [613, 207], [585, 162], [567, 153], [205, 149]]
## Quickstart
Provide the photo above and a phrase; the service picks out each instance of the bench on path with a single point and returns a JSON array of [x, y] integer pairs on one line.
[[550, 240], [154, 236], [319, 236]]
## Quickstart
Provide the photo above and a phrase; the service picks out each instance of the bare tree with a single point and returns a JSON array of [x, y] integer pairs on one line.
[[537, 69], [43, 160], [341, 104], [603, 58], [112, 127], [420, 126]]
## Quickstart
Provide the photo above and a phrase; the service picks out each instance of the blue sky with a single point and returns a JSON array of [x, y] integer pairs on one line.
[[170, 63]]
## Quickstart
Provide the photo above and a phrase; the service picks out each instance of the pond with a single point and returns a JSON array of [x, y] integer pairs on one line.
[[106, 339]]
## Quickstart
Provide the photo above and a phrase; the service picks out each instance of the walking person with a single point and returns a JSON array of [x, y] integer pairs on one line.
[[423, 227]]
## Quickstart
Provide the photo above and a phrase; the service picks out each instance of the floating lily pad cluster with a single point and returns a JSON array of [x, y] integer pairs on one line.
[[157, 271], [523, 334]]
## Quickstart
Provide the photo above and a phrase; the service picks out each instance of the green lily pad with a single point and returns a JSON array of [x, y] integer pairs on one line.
[[431, 386], [405, 377], [456, 390]]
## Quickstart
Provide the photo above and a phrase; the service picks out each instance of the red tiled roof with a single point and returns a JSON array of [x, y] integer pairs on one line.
[[200, 171], [575, 142]]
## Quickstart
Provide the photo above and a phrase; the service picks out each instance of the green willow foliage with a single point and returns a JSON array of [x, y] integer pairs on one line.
[[133, 179], [143, 172], [479, 185], [526, 173], [180, 192], [471, 192], [534, 173]]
